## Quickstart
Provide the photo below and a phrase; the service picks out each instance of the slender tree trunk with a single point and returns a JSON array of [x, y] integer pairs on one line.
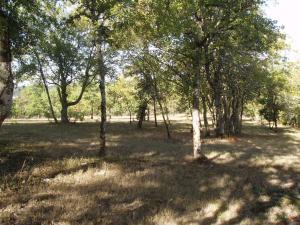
[[92, 111], [46, 87], [205, 116], [6, 76], [154, 112], [157, 97], [130, 120], [167, 115], [219, 116], [102, 108], [164, 118], [148, 114]]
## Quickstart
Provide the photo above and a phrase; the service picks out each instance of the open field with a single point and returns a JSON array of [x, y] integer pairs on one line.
[[50, 174]]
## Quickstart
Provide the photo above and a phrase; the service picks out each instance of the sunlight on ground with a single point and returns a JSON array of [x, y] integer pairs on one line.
[[145, 179]]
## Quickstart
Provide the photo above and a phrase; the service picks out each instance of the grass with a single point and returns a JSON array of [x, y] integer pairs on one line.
[[50, 174]]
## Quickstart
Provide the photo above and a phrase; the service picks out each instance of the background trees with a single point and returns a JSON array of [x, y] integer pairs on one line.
[[206, 58]]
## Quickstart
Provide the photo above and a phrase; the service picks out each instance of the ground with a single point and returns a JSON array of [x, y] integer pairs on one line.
[[51, 174]]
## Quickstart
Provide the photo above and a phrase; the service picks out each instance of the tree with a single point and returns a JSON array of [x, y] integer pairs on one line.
[[13, 35], [106, 19], [271, 98]]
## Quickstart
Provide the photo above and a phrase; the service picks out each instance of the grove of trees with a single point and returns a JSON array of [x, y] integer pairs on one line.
[[210, 59]]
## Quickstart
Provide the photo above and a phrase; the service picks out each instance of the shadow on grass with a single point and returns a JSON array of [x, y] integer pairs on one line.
[[145, 180]]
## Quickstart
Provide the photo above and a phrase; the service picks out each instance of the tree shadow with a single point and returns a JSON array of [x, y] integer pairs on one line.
[[144, 180]]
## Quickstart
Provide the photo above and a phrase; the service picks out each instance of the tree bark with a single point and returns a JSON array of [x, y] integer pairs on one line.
[[6, 76]]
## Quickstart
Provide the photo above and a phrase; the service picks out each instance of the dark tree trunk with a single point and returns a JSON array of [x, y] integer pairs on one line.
[[102, 109], [92, 111], [6, 76], [64, 114], [130, 120], [148, 114], [207, 132], [141, 114], [219, 114], [154, 112], [64, 101]]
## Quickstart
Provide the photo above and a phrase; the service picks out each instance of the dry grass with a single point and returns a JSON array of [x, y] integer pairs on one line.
[[50, 174]]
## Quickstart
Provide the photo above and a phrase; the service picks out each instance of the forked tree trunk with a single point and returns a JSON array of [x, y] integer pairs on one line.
[[164, 118], [6, 76]]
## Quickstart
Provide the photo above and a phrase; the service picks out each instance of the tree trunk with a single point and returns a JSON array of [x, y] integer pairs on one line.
[[196, 124], [148, 114], [64, 114], [207, 133], [46, 87], [103, 110], [157, 96], [92, 111], [141, 114], [167, 115], [64, 101], [195, 111], [219, 114], [164, 118], [6, 76], [130, 120], [154, 112]]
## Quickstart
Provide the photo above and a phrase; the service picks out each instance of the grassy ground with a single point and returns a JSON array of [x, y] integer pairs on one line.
[[50, 174]]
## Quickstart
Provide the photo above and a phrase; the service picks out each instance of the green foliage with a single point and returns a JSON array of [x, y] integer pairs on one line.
[[121, 96], [31, 101], [272, 96]]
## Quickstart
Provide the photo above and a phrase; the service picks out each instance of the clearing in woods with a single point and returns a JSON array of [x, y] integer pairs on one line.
[[51, 174]]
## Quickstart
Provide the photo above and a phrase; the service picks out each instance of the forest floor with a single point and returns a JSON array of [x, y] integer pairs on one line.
[[51, 174]]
